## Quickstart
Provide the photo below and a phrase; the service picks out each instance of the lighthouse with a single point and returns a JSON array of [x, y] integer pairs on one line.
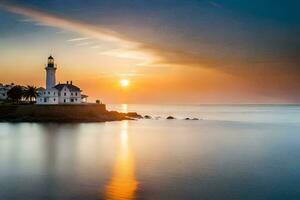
[[62, 93], [50, 73]]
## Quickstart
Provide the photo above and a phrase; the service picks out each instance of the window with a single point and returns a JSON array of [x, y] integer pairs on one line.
[[65, 94], [54, 99], [45, 100], [48, 92], [54, 93], [76, 93], [72, 100], [64, 100], [72, 93], [44, 92]]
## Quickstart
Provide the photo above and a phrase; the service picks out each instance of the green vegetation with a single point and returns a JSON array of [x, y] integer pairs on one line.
[[30, 93], [19, 94], [15, 94]]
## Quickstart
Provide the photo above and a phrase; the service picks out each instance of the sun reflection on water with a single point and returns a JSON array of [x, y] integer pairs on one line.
[[124, 108], [123, 183]]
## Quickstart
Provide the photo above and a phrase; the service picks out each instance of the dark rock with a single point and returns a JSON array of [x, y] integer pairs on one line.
[[134, 115], [170, 117], [147, 117], [195, 119], [187, 118]]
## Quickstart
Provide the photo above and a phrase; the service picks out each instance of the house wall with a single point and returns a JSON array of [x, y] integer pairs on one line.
[[53, 96], [3, 94], [48, 97], [3, 91], [69, 97], [47, 100]]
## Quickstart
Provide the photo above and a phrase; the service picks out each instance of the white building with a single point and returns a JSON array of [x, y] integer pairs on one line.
[[3, 91], [61, 93]]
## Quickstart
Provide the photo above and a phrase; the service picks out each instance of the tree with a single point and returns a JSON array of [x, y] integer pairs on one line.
[[30, 93], [15, 93]]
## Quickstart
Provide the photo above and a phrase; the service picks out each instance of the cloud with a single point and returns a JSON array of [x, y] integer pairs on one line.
[[96, 47], [68, 24], [215, 4], [153, 54], [128, 48], [26, 20], [120, 75], [149, 54], [77, 39], [83, 44]]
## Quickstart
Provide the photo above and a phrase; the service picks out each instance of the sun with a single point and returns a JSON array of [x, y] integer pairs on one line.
[[124, 83]]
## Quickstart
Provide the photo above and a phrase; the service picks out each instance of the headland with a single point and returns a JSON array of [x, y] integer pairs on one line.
[[61, 113]]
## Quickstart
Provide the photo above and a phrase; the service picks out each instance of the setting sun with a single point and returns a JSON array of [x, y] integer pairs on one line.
[[124, 83]]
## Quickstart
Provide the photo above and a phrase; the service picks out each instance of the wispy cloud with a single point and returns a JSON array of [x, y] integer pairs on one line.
[[127, 53], [83, 44], [68, 24], [26, 20], [95, 47], [133, 74], [77, 39], [215, 4], [120, 75], [127, 48]]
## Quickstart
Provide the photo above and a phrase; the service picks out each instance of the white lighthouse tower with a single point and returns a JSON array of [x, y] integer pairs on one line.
[[50, 73]]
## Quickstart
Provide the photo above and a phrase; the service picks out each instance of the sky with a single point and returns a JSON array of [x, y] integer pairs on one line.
[[171, 51]]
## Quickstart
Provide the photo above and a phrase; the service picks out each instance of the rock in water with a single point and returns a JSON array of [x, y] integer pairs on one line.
[[195, 119], [134, 115], [187, 118], [170, 117], [147, 117]]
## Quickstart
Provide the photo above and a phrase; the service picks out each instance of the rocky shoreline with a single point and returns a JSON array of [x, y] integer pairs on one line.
[[68, 113], [60, 113]]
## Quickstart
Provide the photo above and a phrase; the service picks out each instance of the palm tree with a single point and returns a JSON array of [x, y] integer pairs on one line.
[[30, 93], [15, 93]]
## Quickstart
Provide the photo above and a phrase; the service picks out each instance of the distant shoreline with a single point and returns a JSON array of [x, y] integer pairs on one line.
[[61, 113]]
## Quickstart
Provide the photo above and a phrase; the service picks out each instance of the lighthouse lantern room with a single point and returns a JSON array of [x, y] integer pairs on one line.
[[50, 73]]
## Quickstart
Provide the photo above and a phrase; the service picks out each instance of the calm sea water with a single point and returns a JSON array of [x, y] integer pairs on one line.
[[235, 152]]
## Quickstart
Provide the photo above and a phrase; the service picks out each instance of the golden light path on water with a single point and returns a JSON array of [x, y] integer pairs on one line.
[[123, 184], [124, 108]]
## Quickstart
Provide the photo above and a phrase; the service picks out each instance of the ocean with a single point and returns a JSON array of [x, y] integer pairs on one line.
[[232, 152]]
